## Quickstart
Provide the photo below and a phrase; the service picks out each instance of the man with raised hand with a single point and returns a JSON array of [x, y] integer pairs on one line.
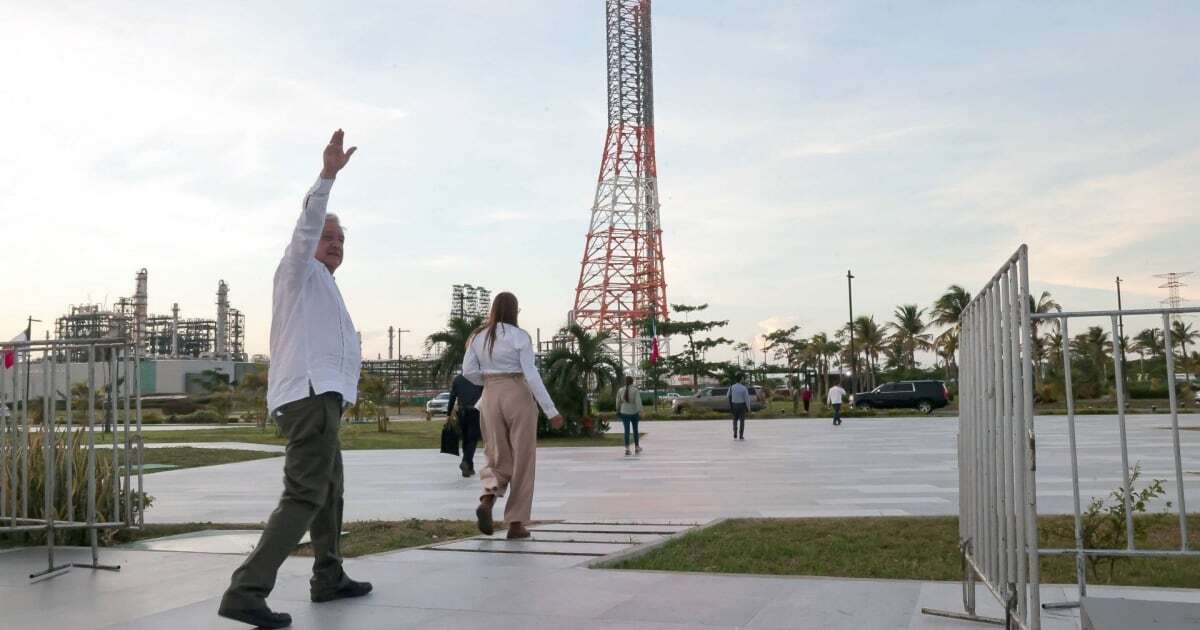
[[315, 360]]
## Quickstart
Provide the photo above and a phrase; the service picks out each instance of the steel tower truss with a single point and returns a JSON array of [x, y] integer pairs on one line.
[[621, 281]]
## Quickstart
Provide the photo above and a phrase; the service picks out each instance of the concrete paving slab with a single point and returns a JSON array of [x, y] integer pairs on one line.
[[691, 471], [616, 528], [208, 541], [533, 546], [597, 537], [430, 589], [1104, 613]]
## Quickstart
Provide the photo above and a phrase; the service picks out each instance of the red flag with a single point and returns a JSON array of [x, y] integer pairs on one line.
[[10, 354]]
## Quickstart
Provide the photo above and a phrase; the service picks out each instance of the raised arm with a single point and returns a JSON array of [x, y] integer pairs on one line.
[[307, 233]]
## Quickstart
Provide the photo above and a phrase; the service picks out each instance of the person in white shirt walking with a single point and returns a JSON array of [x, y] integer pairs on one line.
[[315, 361], [499, 356], [739, 405], [629, 409], [835, 396]]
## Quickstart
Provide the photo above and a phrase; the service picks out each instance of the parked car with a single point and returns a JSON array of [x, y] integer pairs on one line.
[[669, 396], [436, 406], [715, 399], [924, 396], [1196, 399]]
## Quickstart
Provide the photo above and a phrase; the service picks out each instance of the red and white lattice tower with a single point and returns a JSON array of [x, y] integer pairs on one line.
[[621, 282]]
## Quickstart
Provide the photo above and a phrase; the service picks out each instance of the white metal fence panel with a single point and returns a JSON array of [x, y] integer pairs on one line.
[[111, 402], [996, 449]]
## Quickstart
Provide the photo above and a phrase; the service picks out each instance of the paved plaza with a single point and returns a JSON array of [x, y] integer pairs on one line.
[[448, 590], [696, 471], [691, 472]]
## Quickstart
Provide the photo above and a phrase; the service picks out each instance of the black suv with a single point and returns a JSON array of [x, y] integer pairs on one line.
[[924, 396]]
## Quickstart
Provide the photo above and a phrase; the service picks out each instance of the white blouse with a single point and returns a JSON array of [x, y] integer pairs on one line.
[[512, 354]]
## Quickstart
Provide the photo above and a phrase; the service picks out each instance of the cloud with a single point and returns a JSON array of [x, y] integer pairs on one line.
[[839, 144]]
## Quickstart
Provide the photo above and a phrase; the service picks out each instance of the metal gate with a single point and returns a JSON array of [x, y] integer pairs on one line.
[[39, 381], [997, 472], [1164, 315], [997, 461]]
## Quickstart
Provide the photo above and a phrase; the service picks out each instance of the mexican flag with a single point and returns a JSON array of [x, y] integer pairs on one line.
[[10, 353]]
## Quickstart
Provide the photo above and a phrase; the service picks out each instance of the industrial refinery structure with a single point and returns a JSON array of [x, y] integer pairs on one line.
[[160, 336]]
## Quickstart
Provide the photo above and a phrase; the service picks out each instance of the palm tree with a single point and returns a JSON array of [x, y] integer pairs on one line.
[[1043, 304], [1183, 334], [870, 337], [1095, 346], [909, 330], [947, 310], [1144, 342], [584, 366], [1053, 348], [824, 348], [454, 340]]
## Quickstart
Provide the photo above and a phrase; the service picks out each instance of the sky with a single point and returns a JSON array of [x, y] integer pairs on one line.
[[915, 143]]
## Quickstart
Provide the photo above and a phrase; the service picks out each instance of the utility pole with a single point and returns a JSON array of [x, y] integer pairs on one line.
[[29, 355], [1120, 345], [391, 337], [400, 338], [853, 354]]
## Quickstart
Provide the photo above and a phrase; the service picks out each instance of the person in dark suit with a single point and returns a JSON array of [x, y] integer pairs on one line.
[[465, 394]]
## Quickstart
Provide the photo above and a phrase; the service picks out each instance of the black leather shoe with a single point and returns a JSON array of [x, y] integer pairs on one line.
[[350, 589], [258, 617], [466, 470]]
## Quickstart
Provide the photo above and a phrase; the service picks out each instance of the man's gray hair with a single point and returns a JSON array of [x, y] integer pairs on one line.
[[329, 216]]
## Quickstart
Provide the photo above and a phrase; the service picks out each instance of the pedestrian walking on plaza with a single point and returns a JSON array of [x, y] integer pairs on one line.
[[315, 361], [499, 357], [835, 397], [806, 398], [465, 395], [629, 409], [739, 404]]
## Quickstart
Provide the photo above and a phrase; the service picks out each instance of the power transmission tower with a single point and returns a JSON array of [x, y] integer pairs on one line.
[[1172, 285], [621, 282]]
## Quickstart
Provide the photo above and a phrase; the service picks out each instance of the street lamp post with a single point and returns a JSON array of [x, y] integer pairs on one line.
[[853, 354]]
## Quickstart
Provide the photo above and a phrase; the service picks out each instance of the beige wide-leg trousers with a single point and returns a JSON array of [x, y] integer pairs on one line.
[[508, 416]]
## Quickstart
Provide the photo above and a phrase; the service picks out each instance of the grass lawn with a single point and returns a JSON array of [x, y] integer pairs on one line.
[[194, 457], [355, 436], [909, 547]]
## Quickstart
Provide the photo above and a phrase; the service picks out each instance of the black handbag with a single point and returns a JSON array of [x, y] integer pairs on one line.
[[449, 439]]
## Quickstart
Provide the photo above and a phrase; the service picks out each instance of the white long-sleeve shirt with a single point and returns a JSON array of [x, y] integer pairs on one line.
[[836, 394], [313, 341], [512, 354]]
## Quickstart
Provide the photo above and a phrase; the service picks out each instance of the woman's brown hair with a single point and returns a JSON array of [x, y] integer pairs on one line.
[[504, 311], [628, 382]]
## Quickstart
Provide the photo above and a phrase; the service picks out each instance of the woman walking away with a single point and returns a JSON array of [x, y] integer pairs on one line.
[[499, 356], [629, 409]]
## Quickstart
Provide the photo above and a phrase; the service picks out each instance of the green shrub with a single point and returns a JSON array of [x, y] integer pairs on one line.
[[1104, 525], [75, 450], [179, 406], [153, 416], [201, 416]]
